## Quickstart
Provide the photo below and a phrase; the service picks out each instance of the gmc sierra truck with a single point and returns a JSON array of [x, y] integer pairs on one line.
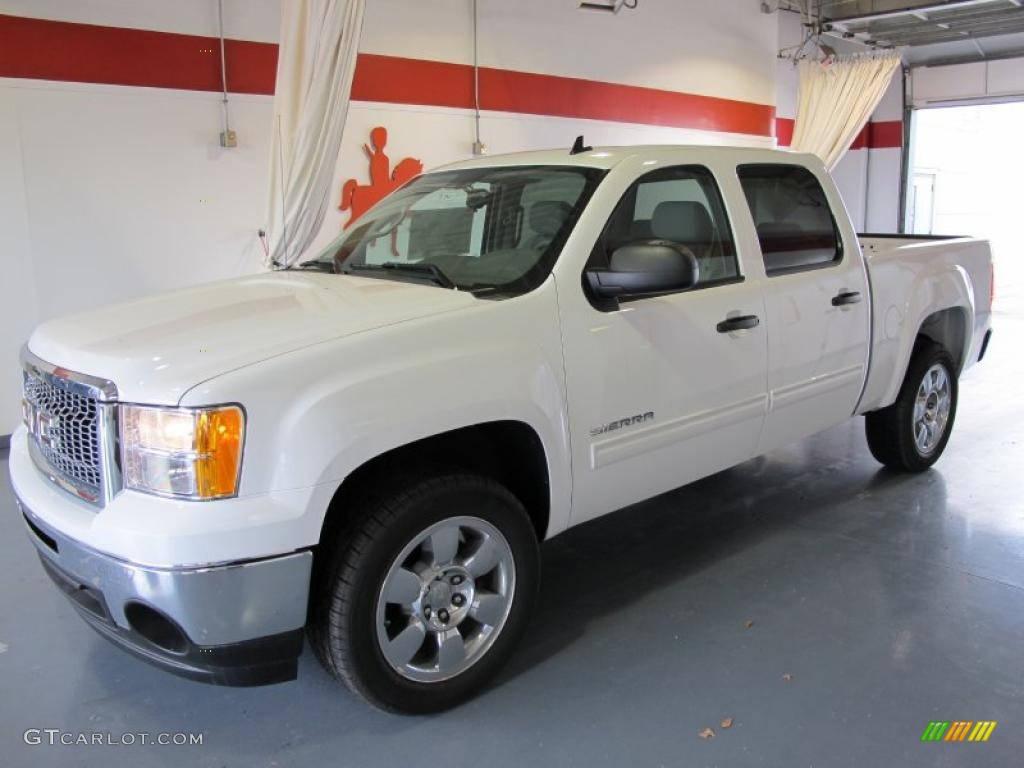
[[368, 447]]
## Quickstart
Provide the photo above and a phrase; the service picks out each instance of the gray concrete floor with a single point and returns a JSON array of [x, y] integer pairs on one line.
[[888, 600]]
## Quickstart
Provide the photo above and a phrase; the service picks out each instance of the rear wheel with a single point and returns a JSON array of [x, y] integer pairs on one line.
[[912, 433], [427, 595]]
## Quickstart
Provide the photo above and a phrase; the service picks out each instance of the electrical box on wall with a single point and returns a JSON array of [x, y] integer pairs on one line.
[[228, 139]]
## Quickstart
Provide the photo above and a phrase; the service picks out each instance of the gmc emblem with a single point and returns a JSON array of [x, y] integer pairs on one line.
[[41, 425]]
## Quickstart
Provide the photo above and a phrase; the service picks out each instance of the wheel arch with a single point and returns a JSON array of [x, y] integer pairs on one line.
[[508, 451], [932, 301], [949, 329]]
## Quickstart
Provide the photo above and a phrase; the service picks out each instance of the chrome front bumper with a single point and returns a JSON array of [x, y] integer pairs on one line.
[[234, 624]]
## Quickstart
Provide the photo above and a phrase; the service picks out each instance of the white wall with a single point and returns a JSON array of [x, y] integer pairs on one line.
[[128, 191], [882, 177], [243, 19], [18, 313], [719, 49]]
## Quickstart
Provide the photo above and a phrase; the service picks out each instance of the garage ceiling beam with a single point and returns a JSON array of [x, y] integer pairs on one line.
[[965, 16], [862, 10], [933, 23], [927, 37], [977, 29]]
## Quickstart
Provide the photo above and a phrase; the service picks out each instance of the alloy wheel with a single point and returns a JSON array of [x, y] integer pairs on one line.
[[445, 599]]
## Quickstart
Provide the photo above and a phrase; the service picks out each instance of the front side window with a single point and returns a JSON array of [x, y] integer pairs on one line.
[[493, 231], [681, 205], [794, 222]]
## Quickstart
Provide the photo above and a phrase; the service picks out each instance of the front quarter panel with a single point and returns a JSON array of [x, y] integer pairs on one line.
[[317, 414]]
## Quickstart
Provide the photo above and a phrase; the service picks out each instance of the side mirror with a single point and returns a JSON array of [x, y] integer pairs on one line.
[[643, 269]]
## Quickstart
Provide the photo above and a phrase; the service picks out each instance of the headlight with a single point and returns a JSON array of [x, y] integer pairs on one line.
[[192, 453]]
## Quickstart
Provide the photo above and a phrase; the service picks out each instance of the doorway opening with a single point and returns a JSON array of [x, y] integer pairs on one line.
[[965, 173]]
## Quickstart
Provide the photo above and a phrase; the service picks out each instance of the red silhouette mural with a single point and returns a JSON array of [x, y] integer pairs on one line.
[[359, 198]]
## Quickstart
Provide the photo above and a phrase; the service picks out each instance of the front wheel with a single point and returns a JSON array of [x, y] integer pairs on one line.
[[427, 596], [912, 433]]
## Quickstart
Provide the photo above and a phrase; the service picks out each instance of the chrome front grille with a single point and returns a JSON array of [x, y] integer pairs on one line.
[[72, 428], [65, 430]]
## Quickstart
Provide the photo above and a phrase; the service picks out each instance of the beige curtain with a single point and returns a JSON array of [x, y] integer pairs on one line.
[[836, 100], [316, 61]]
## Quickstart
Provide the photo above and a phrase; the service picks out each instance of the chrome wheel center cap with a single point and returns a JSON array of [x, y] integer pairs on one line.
[[439, 595], [445, 598]]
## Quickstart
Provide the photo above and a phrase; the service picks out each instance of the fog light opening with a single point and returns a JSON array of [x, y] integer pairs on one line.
[[155, 627]]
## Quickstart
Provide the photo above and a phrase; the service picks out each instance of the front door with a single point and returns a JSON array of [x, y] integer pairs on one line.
[[664, 390]]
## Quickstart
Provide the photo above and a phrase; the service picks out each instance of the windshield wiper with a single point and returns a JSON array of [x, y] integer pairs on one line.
[[315, 264], [431, 271]]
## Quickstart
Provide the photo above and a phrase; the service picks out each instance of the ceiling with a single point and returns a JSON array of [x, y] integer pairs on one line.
[[929, 31]]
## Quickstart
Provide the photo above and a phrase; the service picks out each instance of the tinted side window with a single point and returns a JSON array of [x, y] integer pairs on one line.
[[794, 222], [680, 204]]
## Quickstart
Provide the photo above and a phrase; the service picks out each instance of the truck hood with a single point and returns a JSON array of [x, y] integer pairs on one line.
[[157, 348]]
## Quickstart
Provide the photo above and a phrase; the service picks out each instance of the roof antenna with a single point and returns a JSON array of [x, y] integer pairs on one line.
[[579, 147]]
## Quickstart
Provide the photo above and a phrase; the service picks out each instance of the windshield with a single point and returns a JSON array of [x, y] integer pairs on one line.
[[493, 231]]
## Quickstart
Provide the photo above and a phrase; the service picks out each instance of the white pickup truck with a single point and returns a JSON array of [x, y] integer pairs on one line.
[[368, 447]]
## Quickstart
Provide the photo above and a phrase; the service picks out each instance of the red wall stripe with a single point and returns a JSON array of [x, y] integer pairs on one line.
[[86, 53], [572, 97], [784, 131], [396, 80], [886, 134], [413, 81], [57, 50]]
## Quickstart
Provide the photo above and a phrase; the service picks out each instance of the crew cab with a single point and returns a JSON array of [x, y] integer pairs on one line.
[[367, 447]]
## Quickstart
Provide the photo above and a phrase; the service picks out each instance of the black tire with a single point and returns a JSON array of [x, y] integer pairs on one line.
[[343, 612], [890, 431]]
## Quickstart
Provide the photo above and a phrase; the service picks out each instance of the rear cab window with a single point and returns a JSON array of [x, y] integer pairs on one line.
[[794, 223]]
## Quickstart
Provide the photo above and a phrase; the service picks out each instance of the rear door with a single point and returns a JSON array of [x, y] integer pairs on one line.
[[816, 300]]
